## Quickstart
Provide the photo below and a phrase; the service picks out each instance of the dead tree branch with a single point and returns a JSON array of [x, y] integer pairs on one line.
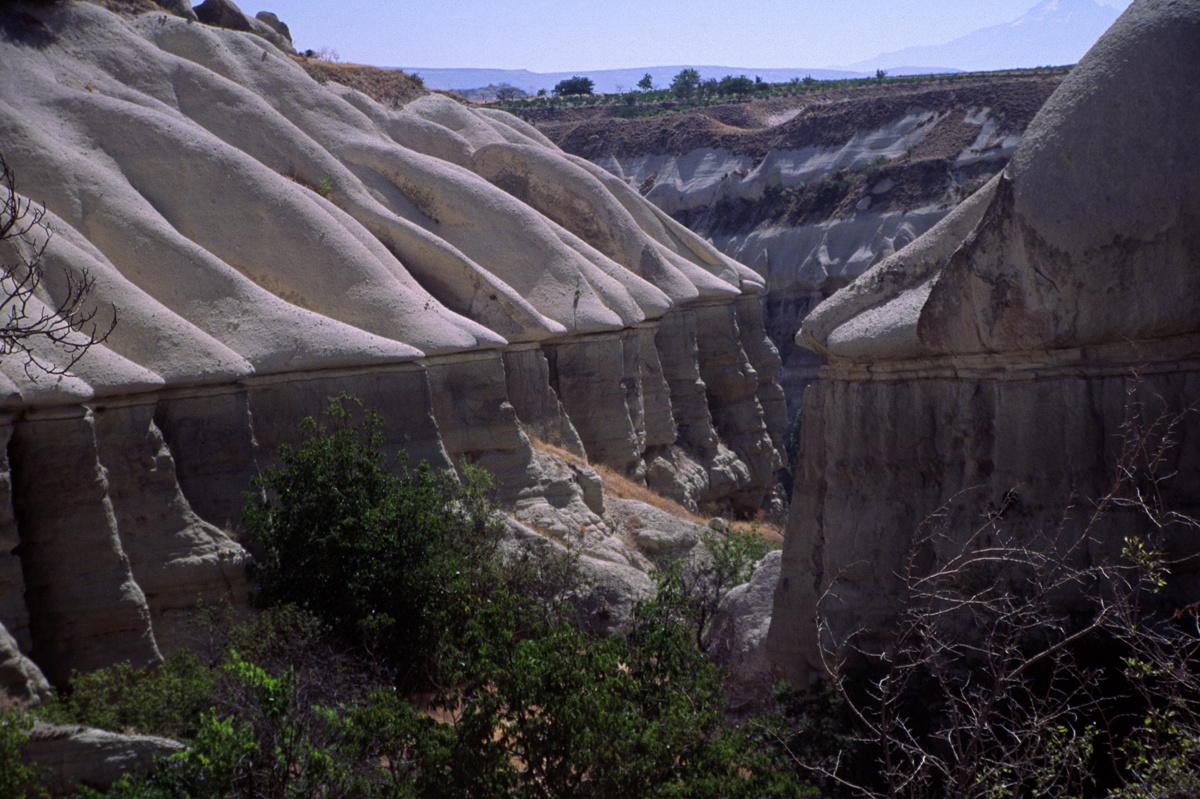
[[30, 317]]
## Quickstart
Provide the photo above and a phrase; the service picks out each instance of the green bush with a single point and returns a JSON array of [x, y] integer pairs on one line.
[[18, 779], [391, 562], [576, 85], [688, 593], [163, 700], [405, 571]]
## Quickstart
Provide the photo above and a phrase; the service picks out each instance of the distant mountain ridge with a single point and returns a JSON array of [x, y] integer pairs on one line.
[[1052, 33]]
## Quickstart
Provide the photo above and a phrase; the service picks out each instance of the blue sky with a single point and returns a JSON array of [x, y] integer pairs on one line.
[[563, 36]]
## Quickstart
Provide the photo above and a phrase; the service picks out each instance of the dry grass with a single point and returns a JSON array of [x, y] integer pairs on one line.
[[558, 452], [389, 87], [769, 531], [620, 486], [623, 488]]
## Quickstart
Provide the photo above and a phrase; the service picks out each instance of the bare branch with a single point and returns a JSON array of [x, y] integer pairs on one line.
[[29, 317], [984, 684]]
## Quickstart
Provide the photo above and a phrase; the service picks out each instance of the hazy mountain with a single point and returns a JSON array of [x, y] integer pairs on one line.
[[606, 80], [1052, 33]]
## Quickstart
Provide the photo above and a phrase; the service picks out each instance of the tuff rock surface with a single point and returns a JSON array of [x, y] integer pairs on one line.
[[811, 190], [737, 637], [998, 367], [267, 241], [68, 756]]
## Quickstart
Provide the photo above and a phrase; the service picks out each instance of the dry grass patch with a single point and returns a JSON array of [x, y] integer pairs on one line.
[[618, 485], [389, 87], [769, 531], [623, 488], [558, 452]]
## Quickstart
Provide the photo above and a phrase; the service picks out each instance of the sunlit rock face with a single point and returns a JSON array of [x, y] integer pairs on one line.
[[265, 242], [1010, 349], [811, 193]]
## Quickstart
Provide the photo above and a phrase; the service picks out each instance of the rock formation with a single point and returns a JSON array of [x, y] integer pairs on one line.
[[1010, 348], [737, 637], [69, 756], [812, 190], [226, 14], [266, 241]]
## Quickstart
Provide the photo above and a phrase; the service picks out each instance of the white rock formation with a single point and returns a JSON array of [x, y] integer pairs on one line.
[[732, 184], [737, 637], [68, 756], [267, 241], [1009, 348]]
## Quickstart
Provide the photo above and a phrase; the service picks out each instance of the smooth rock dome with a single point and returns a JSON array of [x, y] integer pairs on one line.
[[1011, 347]]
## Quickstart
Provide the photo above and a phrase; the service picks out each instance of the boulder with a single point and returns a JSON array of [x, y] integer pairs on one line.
[[737, 636], [69, 756], [272, 21], [180, 8], [226, 14], [20, 678], [658, 535], [1000, 369]]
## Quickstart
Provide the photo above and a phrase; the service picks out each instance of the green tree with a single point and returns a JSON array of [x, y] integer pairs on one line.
[[646, 83], [685, 84], [574, 85], [738, 86], [388, 561]]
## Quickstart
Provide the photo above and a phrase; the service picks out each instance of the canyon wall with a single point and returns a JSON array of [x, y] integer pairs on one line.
[[264, 241], [1018, 361], [811, 191]]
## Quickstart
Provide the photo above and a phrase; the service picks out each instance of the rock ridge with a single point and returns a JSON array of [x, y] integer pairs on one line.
[[812, 191], [267, 241]]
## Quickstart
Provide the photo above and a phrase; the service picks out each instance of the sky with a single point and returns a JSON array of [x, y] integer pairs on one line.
[[568, 36]]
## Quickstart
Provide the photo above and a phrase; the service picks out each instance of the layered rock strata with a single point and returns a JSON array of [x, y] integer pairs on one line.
[[1012, 365], [812, 191], [265, 242]]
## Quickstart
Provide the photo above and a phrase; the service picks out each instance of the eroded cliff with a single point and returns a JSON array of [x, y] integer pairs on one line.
[[1019, 360], [812, 190], [266, 241]]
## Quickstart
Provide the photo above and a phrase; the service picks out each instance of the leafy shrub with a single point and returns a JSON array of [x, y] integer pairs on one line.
[[390, 562], [263, 737], [17, 777], [529, 704], [163, 700], [690, 592]]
